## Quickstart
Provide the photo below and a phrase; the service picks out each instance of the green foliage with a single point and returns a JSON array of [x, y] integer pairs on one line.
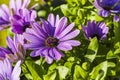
[[99, 72], [79, 73], [34, 70], [92, 50]]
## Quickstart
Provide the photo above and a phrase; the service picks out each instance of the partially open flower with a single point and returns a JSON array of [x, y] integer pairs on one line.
[[94, 29], [16, 50]]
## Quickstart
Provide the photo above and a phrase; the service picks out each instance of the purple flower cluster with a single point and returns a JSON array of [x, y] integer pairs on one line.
[[105, 7]]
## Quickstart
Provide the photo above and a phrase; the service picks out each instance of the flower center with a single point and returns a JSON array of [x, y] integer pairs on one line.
[[27, 25], [96, 35], [51, 42], [107, 8]]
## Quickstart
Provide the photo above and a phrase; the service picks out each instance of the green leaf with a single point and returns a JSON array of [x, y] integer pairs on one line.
[[92, 50], [99, 72], [64, 9], [36, 70], [110, 55], [42, 13], [26, 72], [79, 73], [117, 31], [51, 75], [83, 2], [111, 64], [63, 71]]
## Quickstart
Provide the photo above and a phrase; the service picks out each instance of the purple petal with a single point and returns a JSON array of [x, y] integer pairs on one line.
[[66, 30], [97, 4], [10, 44], [33, 38], [33, 15], [33, 46], [16, 71], [38, 29], [73, 42], [58, 54], [48, 59], [18, 4], [7, 67], [116, 18], [70, 35], [61, 26], [25, 3], [104, 13], [13, 5], [64, 46], [34, 53], [51, 19], [4, 12]]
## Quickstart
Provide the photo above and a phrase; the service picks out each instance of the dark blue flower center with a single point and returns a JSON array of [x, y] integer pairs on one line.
[[26, 25], [95, 35], [51, 42]]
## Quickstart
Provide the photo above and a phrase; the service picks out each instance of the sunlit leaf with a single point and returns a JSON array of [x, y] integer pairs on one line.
[[92, 50]]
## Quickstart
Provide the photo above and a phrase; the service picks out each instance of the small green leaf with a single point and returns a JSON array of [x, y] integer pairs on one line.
[[79, 73], [51, 75], [63, 71], [42, 13], [64, 9], [92, 50], [83, 2], [99, 72], [110, 55]]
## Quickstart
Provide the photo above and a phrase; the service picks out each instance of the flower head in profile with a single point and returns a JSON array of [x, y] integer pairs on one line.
[[105, 7], [94, 29], [47, 40], [7, 72], [22, 20], [15, 50]]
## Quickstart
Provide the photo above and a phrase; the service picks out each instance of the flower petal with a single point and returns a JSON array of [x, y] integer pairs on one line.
[[16, 71], [64, 46], [70, 35], [66, 30]]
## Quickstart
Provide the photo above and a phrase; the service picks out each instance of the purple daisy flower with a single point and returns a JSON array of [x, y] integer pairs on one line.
[[15, 50], [94, 29], [106, 7], [22, 20], [49, 39], [5, 12], [7, 72]]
